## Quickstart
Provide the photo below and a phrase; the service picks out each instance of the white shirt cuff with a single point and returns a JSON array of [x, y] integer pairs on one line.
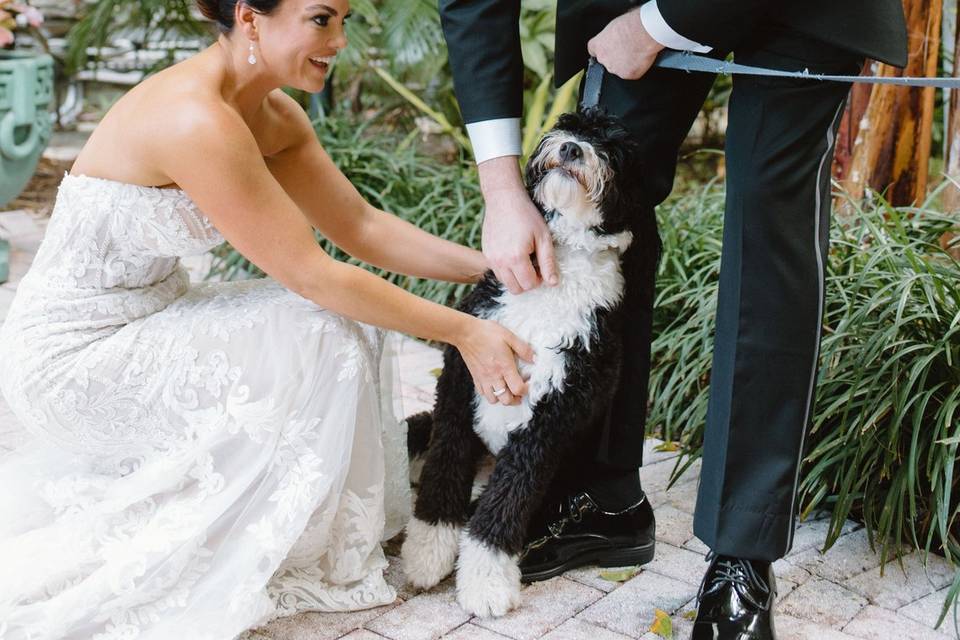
[[663, 33], [494, 138]]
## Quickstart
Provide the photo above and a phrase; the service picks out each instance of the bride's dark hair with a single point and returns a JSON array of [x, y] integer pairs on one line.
[[221, 11]]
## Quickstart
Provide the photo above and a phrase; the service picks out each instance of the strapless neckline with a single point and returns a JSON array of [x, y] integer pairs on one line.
[[67, 174], [172, 195]]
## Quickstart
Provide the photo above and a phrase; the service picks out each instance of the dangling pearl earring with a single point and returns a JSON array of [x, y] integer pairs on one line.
[[252, 59]]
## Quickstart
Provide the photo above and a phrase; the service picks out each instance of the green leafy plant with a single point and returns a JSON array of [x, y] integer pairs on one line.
[[438, 117], [691, 225], [885, 437], [404, 40], [537, 24]]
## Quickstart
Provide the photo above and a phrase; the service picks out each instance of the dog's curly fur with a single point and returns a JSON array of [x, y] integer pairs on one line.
[[584, 179]]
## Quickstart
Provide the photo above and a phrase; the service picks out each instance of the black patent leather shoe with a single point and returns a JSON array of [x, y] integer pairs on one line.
[[736, 600], [575, 532]]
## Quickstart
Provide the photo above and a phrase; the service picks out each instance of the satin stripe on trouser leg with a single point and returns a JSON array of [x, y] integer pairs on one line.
[[780, 141]]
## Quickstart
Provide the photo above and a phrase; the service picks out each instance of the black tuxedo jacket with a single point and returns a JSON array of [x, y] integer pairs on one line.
[[484, 41]]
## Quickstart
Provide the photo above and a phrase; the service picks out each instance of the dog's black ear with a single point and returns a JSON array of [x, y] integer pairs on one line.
[[623, 196], [570, 121], [533, 172], [589, 124], [614, 209]]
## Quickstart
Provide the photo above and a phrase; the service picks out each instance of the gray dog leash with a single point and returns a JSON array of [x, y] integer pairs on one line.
[[686, 61], [691, 62], [592, 84]]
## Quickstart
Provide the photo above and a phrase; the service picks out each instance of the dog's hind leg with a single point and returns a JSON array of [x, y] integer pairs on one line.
[[419, 428], [430, 548]]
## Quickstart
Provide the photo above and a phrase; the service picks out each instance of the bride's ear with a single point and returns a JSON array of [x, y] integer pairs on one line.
[[245, 20]]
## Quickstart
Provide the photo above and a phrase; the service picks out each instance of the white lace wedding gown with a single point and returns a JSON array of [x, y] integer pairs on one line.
[[203, 458]]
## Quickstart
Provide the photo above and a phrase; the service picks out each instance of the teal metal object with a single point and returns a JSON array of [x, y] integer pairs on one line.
[[26, 89], [4, 260]]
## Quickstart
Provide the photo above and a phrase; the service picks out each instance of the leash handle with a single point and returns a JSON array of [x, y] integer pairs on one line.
[[686, 61], [592, 84]]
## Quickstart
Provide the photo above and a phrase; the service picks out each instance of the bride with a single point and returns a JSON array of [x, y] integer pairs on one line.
[[208, 457]]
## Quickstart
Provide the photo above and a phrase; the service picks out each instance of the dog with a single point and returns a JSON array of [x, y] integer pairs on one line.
[[582, 177]]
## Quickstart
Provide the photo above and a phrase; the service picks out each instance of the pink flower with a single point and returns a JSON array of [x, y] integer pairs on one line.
[[6, 37], [32, 14], [34, 17]]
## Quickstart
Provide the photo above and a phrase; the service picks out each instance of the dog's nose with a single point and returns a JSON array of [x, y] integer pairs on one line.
[[570, 151]]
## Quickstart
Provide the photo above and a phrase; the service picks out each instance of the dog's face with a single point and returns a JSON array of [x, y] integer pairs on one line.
[[583, 176]]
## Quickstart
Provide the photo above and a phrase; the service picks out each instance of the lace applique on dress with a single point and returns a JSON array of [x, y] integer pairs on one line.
[[206, 457]]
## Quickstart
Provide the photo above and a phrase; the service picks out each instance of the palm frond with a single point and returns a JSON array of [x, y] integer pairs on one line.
[[412, 31], [143, 20]]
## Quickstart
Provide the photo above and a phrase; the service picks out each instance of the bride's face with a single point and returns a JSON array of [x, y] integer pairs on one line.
[[299, 40]]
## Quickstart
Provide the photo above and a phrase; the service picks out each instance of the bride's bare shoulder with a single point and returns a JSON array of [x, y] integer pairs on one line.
[[287, 125], [155, 120], [175, 99]]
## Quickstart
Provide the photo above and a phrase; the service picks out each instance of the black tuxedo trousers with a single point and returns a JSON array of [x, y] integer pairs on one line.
[[779, 148]]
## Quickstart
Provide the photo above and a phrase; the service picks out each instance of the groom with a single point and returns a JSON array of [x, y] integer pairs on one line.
[[779, 145]]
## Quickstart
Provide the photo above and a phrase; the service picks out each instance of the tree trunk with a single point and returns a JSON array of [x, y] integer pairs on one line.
[[891, 151], [850, 125]]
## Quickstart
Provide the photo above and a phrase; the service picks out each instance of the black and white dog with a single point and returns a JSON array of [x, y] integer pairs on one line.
[[582, 178]]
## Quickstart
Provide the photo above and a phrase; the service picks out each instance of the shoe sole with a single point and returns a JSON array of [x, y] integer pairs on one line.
[[619, 557]]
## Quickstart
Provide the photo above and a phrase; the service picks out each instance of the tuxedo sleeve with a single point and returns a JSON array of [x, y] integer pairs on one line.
[[663, 33], [483, 40], [720, 24]]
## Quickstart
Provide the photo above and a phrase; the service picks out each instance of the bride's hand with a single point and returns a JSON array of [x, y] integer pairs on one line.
[[489, 351]]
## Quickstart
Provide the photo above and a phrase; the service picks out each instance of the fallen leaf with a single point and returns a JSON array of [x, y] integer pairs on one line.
[[662, 624], [690, 615], [436, 372], [620, 575], [669, 445]]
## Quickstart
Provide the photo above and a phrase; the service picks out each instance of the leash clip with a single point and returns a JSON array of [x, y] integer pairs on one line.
[[592, 85]]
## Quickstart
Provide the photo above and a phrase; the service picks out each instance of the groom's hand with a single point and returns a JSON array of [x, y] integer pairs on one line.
[[513, 228], [624, 47]]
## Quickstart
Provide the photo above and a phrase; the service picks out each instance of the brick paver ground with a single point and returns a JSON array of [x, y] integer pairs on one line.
[[838, 594]]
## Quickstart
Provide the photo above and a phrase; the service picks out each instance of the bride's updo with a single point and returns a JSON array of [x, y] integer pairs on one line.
[[221, 11]]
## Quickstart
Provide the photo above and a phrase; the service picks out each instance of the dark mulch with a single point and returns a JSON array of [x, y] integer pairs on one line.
[[41, 191]]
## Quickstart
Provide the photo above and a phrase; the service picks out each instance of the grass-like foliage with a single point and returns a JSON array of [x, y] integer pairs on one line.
[[392, 174], [886, 427]]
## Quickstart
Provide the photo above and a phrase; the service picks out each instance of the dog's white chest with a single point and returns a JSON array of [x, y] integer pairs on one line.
[[550, 319]]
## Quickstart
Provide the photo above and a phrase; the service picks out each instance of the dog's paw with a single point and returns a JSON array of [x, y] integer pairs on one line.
[[488, 580], [429, 552]]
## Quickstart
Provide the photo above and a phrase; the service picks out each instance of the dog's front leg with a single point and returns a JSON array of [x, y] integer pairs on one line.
[[488, 578], [430, 548]]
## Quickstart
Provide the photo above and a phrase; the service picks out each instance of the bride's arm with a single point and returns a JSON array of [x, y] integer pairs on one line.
[[335, 208], [391, 243], [210, 153]]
